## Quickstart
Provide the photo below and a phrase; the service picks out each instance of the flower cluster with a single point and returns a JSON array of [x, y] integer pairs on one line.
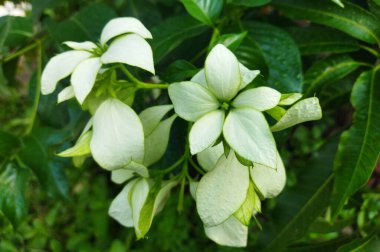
[[229, 133]]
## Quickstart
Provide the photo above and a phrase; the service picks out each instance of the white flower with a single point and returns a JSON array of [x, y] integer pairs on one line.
[[226, 198], [128, 46], [211, 100], [136, 205]]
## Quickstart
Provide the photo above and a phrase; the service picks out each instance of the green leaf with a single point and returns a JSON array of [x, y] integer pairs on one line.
[[9, 144], [86, 24], [249, 3], [280, 53], [206, 11], [298, 207], [328, 71], [49, 172], [332, 96], [81, 147], [315, 40], [351, 19], [13, 183], [179, 70], [244, 213], [359, 146], [232, 41], [172, 32], [15, 30], [369, 244]]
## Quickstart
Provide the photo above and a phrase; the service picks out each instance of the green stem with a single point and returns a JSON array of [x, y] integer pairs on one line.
[[141, 84], [38, 88], [23, 50], [182, 189], [173, 166], [196, 167]]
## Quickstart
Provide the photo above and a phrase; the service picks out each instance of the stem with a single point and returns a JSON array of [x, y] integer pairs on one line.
[[141, 84], [182, 189], [175, 165], [23, 50], [196, 167], [38, 88]]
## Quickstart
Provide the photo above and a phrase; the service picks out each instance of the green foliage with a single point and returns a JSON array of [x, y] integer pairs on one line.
[[323, 48]]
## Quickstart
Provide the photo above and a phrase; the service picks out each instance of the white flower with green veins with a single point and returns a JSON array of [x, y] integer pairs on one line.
[[215, 101], [128, 46]]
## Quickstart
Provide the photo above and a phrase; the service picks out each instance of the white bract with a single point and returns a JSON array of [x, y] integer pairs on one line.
[[84, 61], [212, 93], [226, 218], [139, 201]]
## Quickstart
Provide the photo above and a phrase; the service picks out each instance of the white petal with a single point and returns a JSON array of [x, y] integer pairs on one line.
[[59, 67], [84, 76], [130, 49], [210, 156], [191, 100], [247, 76], [221, 191], [261, 98], [222, 72], [157, 142], [269, 182], [303, 111], [87, 45], [88, 126], [230, 233], [206, 131], [289, 99], [66, 94], [200, 78], [121, 175], [151, 117], [248, 133], [139, 195], [118, 136], [118, 26], [120, 208]]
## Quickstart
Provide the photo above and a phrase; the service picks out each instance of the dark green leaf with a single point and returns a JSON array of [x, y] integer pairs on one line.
[[249, 3], [327, 246], [314, 40], [86, 24], [232, 41], [179, 70], [327, 71], [359, 147], [13, 183], [332, 96], [206, 11], [49, 172], [281, 54], [15, 30], [351, 19], [147, 12], [369, 244], [172, 32], [374, 7], [9, 144], [298, 207]]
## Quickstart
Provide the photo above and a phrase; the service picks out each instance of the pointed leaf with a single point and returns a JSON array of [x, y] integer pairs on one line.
[[151, 117], [206, 11], [351, 19], [66, 94], [81, 147], [359, 147], [303, 111]]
